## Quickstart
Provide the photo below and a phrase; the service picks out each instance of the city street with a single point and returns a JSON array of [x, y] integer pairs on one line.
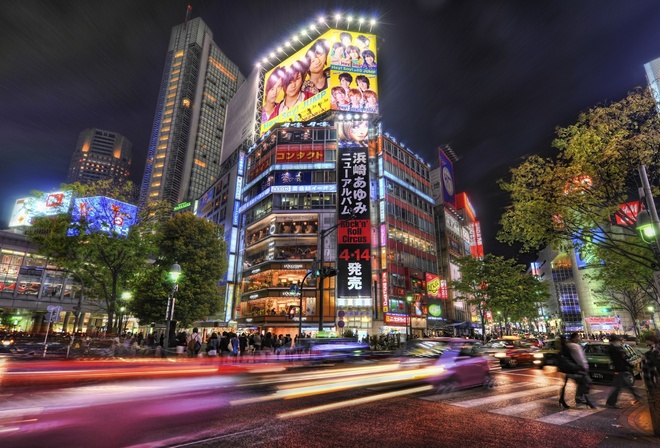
[[301, 407]]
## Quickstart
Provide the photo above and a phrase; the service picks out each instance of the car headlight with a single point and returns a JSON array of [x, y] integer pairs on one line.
[[500, 355], [538, 355]]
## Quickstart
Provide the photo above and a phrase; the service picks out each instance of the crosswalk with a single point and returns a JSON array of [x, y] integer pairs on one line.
[[525, 400]]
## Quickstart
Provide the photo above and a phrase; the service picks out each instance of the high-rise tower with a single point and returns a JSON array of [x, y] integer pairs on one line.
[[100, 155], [185, 146]]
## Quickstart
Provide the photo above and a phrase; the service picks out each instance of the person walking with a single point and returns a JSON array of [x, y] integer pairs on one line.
[[621, 373], [573, 363], [194, 343]]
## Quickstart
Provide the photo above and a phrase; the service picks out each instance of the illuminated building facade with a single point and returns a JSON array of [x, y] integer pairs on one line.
[[184, 155], [29, 284], [100, 155], [408, 258]]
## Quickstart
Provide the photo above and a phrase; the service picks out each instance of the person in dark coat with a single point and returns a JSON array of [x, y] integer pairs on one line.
[[621, 367]]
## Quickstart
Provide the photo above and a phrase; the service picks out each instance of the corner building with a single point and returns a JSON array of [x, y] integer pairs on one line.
[[184, 155]]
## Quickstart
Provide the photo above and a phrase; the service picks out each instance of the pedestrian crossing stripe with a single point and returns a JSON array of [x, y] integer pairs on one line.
[[510, 396]]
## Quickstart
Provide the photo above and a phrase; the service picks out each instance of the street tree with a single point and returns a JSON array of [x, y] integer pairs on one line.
[[623, 284], [199, 247], [494, 283], [575, 195], [106, 261]]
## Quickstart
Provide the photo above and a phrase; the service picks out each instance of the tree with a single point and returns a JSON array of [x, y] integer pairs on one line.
[[575, 196], [106, 261], [494, 284], [198, 246], [625, 285]]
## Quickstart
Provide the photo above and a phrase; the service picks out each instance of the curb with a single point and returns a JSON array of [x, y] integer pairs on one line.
[[640, 420]]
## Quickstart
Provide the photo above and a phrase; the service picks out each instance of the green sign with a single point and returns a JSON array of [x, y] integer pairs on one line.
[[181, 206], [435, 310]]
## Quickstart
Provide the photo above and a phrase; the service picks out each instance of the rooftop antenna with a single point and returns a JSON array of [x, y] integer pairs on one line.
[[188, 12]]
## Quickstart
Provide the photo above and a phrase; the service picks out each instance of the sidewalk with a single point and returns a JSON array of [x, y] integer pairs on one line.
[[639, 419]]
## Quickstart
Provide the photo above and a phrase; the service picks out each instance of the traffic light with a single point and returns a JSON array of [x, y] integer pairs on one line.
[[329, 272], [316, 270]]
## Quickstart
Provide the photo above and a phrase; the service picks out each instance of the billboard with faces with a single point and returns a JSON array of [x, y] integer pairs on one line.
[[337, 71]]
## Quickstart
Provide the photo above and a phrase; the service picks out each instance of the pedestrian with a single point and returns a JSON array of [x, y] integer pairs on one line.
[[243, 344], [572, 361], [212, 345], [181, 344], [235, 344], [224, 344], [194, 343], [257, 342], [651, 364], [622, 373]]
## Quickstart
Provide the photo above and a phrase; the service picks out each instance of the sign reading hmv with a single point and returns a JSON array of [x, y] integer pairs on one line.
[[354, 231]]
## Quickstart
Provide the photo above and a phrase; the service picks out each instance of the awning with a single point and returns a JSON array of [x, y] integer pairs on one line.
[[458, 324]]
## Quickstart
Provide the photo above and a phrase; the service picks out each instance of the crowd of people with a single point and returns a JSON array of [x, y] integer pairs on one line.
[[230, 344]]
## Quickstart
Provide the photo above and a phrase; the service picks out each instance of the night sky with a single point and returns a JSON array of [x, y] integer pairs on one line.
[[490, 78]]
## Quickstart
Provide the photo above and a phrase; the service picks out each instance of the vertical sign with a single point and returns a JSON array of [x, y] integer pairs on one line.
[[354, 231], [447, 173]]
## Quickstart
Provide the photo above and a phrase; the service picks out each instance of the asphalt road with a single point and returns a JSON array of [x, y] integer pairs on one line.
[[327, 407]]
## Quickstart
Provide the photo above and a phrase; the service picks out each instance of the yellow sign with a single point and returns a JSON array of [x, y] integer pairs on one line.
[[337, 71]]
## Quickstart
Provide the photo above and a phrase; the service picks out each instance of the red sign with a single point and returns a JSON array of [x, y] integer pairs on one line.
[[627, 214], [385, 291], [476, 243], [463, 202], [444, 291], [396, 319], [433, 285], [298, 156]]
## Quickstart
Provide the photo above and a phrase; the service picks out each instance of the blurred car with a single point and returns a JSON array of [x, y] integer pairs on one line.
[[332, 349], [461, 362], [547, 356], [601, 367], [534, 342], [510, 351]]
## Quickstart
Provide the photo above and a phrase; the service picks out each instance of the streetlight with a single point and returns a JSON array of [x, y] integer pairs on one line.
[[647, 226], [324, 233], [409, 299], [125, 297], [175, 272]]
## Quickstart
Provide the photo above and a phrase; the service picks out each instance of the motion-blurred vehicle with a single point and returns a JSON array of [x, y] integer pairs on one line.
[[601, 367], [534, 342], [547, 356], [462, 364], [511, 351], [332, 349]]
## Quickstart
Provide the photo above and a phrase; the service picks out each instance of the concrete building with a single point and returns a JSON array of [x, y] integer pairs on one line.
[[184, 155], [100, 155]]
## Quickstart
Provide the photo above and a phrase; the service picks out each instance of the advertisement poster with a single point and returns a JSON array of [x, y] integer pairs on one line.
[[336, 71], [103, 214], [49, 204], [354, 231], [433, 285], [447, 169]]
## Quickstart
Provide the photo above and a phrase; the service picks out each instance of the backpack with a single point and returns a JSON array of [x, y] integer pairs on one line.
[[566, 364], [193, 344]]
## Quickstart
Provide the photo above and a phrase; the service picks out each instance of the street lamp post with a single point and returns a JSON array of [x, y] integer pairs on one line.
[[175, 272], [409, 299], [648, 224], [324, 233], [300, 313], [77, 326]]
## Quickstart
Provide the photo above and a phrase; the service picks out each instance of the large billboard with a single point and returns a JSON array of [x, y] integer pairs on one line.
[[354, 231], [652, 70], [48, 204], [337, 71], [447, 170], [103, 214]]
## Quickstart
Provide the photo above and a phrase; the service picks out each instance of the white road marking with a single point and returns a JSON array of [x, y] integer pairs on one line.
[[494, 399]]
